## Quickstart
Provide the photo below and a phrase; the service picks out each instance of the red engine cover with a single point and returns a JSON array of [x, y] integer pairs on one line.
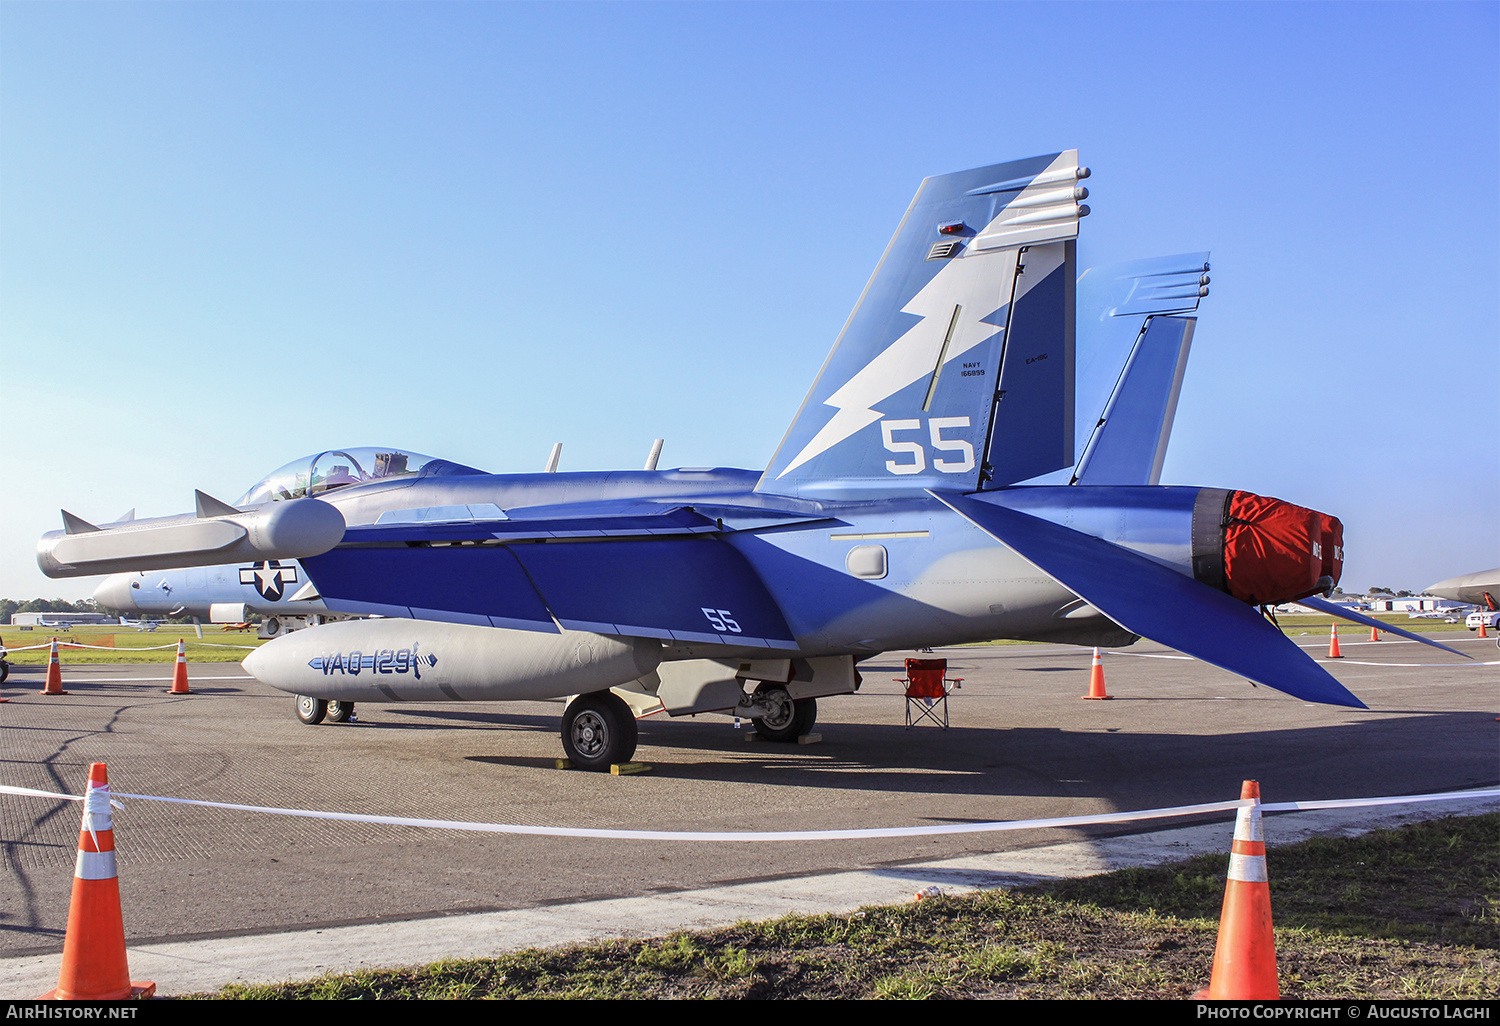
[[1276, 552]]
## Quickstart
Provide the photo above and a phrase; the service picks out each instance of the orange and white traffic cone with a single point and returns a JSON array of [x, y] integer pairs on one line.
[[1482, 633], [93, 962], [1374, 634], [179, 672], [1096, 678], [53, 684], [1245, 957], [1333, 644]]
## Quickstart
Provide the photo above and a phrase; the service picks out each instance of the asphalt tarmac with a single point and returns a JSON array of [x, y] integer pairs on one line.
[[1023, 744]]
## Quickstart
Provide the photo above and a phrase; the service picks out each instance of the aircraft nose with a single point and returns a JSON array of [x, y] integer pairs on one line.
[[114, 593]]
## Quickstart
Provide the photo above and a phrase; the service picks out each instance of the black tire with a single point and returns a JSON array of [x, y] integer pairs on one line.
[[598, 730], [4, 670], [311, 710], [794, 716], [340, 712]]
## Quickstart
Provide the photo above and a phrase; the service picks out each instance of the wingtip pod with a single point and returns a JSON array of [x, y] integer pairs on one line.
[[291, 529]]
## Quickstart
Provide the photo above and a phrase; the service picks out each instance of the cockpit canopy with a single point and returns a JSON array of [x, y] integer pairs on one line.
[[337, 468]]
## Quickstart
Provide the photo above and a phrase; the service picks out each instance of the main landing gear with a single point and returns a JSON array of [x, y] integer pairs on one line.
[[598, 730], [786, 718]]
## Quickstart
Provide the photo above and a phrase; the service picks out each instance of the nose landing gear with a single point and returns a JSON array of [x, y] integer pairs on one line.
[[313, 711]]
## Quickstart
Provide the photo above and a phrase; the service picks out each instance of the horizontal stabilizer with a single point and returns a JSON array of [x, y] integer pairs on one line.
[[1333, 609], [1159, 603]]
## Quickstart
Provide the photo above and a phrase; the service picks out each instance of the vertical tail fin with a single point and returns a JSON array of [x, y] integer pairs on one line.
[[972, 301], [1125, 311]]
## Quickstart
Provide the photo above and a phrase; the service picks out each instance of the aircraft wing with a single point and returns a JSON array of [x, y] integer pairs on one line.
[[654, 575], [1157, 602]]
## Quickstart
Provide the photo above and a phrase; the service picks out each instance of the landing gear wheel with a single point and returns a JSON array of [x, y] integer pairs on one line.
[[598, 730], [311, 710], [340, 712], [790, 717]]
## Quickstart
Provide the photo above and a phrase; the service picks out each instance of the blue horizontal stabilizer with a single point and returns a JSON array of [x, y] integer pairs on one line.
[[1332, 609], [1159, 603]]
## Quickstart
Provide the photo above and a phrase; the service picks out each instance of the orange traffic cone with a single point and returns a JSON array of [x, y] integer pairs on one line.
[[1333, 644], [53, 684], [1482, 633], [93, 963], [1245, 957], [179, 672], [1096, 678], [1374, 634]]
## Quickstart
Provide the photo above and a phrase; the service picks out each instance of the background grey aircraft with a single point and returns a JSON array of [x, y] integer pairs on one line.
[[1481, 588]]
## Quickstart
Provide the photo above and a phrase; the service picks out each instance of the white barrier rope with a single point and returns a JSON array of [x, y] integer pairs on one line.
[[796, 835]]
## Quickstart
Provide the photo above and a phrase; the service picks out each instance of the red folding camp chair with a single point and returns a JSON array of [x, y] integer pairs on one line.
[[928, 685]]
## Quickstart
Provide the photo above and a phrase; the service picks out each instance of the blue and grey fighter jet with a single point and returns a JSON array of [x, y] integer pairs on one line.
[[939, 485]]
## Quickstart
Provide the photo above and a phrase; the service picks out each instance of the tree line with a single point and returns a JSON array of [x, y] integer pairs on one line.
[[41, 605]]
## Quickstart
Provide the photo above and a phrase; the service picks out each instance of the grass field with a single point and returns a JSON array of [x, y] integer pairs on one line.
[[1411, 913], [126, 646]]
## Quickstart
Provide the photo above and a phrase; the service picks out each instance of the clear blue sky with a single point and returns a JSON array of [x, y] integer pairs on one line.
[[232, 234]]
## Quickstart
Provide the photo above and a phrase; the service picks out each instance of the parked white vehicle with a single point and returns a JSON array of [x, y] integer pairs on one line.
[[1490, 618]]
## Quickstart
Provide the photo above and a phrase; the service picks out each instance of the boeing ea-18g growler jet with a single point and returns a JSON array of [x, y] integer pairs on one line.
[[904, 508]]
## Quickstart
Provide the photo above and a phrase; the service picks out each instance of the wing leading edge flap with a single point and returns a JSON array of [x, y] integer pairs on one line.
[[688, 589], [596, 520], [673, 521], [1156, 602]]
